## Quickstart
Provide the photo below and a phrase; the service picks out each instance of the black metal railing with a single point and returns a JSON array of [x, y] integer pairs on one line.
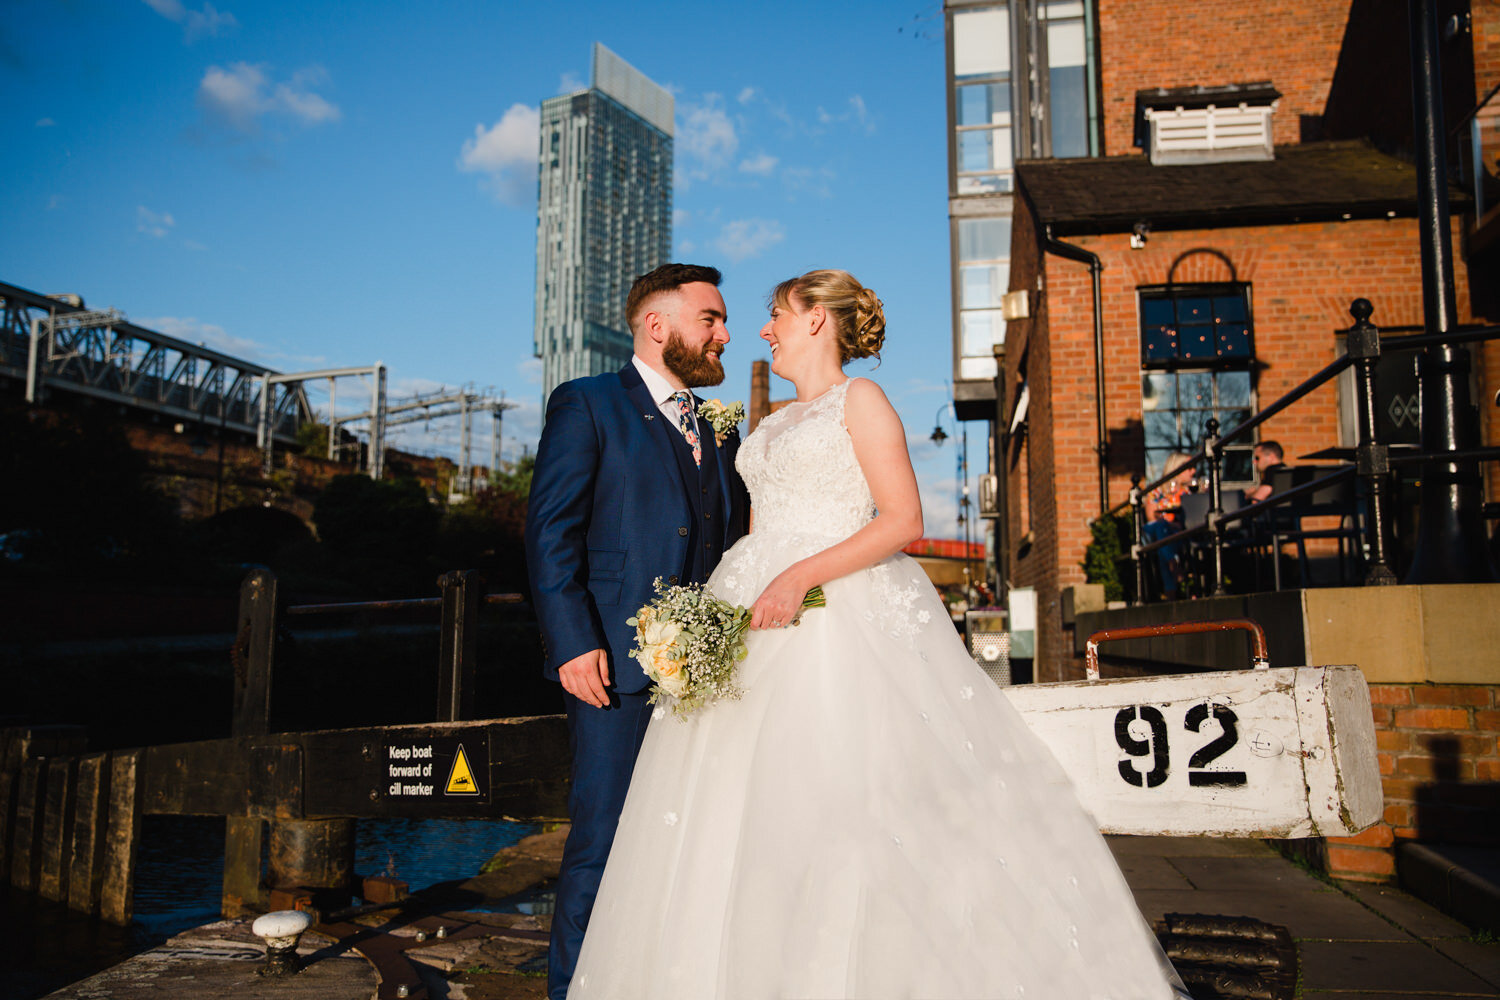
[[1372, 458]]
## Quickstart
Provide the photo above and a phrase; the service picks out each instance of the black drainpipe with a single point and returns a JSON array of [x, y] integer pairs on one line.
[[1083, 256]]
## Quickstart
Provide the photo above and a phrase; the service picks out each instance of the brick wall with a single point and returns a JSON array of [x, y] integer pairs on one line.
[[1440, 770], [1167, 43], [1302, 279], [1485, 24]]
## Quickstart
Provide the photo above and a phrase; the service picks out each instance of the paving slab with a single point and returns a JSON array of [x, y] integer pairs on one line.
[[1144, 871], [1189, 847], [1266, 874], [1409, 969], [1482, 959], [1406, 911], [1306, 915]]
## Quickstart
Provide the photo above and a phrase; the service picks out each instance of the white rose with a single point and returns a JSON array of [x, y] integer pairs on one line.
[[660, 633]]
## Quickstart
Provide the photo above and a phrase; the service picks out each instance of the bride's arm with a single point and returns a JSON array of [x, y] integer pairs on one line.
[[880, 446]]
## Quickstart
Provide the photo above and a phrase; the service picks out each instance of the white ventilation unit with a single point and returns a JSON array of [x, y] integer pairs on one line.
[[1211, 134]]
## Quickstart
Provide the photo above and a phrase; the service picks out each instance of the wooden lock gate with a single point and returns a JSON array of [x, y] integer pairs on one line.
[[1274, 753]]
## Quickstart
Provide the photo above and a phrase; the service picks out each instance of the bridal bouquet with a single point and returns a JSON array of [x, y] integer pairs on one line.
[[688, 642]]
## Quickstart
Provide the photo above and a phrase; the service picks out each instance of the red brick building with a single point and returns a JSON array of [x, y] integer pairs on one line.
[[1260, 244]]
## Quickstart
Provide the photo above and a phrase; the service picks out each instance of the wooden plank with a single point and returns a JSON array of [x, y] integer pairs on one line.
[[26, 858], [57, 828], [1280, 753], [90, 819], [7, 819], [254, 653], [207, 778], [243, 892], [122, 837]]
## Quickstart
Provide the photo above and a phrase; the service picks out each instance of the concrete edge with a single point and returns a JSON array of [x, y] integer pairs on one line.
[[1463, 894]]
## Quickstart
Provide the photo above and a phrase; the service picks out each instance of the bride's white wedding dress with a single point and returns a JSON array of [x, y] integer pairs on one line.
[[872, 818]]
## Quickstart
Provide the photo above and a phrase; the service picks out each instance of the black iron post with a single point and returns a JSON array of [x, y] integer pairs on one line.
[[252, 658], [458, 644], [1450, 531], [1213, 455], [1372, 461], [1138, 535]]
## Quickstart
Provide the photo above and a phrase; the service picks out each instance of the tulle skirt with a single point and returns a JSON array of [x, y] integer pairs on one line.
[[871, 819]]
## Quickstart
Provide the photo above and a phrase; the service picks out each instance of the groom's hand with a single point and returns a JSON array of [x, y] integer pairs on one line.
[[586, 677]]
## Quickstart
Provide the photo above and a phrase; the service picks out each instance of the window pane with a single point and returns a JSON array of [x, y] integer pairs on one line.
[[980, 183], [1230, 419], [982, 368], [1234, 341], [1195, 309], [1161, 430], [1230, 307], [1065, 43], [1158, 391], [1195, 390], [981, 42], [974, 152], [1234, 389], [983, 285], [983, 239], [1197, 342], [984, 104], [982, 329]]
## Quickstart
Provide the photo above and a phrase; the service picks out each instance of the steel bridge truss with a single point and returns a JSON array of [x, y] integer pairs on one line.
[[462, 403], [53, 345]]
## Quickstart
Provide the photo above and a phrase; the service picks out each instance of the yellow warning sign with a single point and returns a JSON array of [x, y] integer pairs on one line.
[[461, 778]]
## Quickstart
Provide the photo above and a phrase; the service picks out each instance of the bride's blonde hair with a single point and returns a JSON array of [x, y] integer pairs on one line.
[[858, 316]]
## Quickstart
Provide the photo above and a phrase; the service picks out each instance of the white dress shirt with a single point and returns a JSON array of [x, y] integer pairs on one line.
[[662, 392]]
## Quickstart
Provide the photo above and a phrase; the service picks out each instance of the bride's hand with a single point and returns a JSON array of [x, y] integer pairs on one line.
[[781, 601]]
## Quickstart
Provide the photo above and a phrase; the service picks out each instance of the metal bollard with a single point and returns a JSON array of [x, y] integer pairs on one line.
[[280, 931]]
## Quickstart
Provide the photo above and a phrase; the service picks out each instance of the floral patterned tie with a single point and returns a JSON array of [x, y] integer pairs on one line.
[[685, 423]]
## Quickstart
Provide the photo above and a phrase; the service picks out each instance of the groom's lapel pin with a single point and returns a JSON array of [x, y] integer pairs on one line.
[[649, 416]]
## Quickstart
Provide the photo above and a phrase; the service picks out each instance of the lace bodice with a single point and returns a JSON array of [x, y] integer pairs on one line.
[[803, 476]]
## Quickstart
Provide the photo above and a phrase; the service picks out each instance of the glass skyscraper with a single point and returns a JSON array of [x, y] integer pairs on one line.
[[604, 215]]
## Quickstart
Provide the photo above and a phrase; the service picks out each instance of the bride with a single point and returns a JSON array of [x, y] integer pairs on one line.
[[871, 818]]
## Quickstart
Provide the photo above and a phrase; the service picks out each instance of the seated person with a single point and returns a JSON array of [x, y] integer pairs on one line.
[[1162, 507], [1265, 455]]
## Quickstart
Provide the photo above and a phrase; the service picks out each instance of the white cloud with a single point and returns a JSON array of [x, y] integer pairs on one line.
[[45, 123], [685, 247], [209, 22], [569, 83], [681, 217], [191, 329], [744, 238], [55, 202], [761, 164], [815, 181], [530, 371], [857, 115], [153, 223], [506, 153], [242, 94], [706, 135], [747, 95], [211, 335]]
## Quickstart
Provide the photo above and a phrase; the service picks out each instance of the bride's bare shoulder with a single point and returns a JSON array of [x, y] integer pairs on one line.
[[865, 396]]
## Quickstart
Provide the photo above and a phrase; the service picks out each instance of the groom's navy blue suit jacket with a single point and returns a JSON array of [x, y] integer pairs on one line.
[[616, 502]]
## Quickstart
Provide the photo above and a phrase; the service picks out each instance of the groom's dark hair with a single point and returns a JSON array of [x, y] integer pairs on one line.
[[667, 278]]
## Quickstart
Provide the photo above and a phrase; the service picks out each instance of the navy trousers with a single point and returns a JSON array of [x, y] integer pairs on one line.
[[605, 744]]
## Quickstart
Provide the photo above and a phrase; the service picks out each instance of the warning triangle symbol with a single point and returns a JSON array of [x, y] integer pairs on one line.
[[461, 778]]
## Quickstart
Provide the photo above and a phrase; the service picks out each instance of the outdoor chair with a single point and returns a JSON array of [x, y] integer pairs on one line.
[[1337, 499]]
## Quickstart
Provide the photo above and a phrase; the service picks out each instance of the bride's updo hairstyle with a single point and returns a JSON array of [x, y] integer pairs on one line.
[[857, 314]]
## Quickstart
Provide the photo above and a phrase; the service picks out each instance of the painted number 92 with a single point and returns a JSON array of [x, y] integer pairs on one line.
[[1152, 743]]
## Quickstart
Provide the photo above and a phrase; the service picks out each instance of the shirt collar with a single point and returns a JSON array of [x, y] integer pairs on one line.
[[661, 390]]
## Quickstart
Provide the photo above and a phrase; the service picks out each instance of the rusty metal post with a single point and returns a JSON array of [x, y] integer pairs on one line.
[[313, 854], [459, 644], [1372, 459], [1214, 454], [1138, 537]]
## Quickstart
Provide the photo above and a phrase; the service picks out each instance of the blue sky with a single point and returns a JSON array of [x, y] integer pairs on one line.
[[313, 184]]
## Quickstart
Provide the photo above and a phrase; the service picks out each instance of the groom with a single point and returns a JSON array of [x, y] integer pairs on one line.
[[630, 485]]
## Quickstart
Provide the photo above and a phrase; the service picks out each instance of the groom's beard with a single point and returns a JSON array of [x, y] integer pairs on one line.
[[696, 368]]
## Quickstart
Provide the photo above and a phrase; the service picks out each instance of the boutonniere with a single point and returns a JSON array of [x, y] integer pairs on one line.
[[723, 418]]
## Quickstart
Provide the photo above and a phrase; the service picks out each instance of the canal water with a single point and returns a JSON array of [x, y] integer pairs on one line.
[[44, 946]]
